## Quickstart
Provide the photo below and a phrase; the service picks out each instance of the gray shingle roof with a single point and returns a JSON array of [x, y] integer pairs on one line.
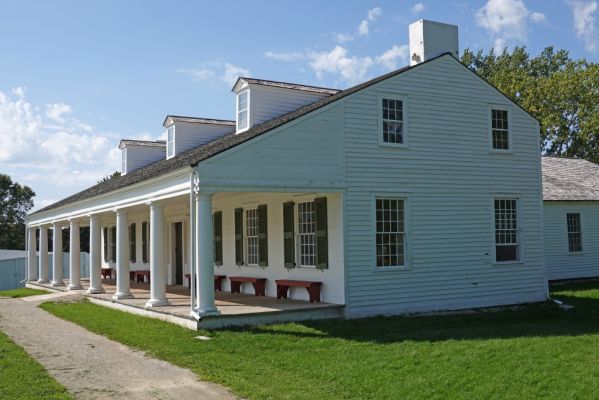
[[570, 179], [288, 85]]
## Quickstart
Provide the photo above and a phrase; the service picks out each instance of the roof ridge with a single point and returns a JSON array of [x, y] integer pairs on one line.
[[289, 83]]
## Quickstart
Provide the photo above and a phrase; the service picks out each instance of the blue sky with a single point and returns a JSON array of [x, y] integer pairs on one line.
[[77, 76]]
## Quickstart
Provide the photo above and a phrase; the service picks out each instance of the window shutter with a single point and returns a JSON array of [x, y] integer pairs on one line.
[[217, 221], [132, 247], [262, 236], [105, 244], [113, 244], [289, 235], [144, 242], [239, 236], [322, 240]]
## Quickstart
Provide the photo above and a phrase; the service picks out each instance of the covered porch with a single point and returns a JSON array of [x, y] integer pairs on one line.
[[234, 309]]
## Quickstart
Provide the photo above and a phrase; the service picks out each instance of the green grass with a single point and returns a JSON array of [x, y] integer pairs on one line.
[[534, 351], [22, 378], [22, 292]]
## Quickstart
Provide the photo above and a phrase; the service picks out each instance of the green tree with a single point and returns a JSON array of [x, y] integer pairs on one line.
[[562, 93], [15, 202], [115, 174]]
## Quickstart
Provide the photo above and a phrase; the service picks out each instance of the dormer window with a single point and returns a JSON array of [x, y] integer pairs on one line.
[[124, 162], [170, 142], [243, 100]]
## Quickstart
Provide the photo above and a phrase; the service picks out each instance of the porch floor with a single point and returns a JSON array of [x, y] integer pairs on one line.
[[234, 308]]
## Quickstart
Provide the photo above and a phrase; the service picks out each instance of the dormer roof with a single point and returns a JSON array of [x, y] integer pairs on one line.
[[195, 120], [145, 143], [244, 81]]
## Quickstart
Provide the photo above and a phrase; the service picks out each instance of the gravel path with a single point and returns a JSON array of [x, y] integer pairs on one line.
[[91, 366]]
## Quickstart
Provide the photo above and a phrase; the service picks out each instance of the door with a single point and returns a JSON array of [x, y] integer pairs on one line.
[[178, 247]]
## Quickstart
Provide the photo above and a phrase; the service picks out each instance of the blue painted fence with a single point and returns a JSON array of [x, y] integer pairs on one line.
[[14, 270]]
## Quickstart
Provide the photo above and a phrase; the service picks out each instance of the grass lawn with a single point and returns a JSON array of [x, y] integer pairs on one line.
[[535, 351], [22, 378], [22, 292]]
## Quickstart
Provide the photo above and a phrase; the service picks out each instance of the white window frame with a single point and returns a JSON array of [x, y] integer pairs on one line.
[[520, 243], [247, 110], [406, 245], [170, 144], [379, 110], [247, 237], [510, 130], [124, 161], [298, 234], [581, 251]]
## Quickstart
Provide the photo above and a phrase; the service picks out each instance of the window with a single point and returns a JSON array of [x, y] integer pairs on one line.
[[574, 232], [306, 234], [390, 233], [251, 226], [132, 241], [499, 130], [393, 121], [124, 162], [242, 110], [170, 142], [506, 230]]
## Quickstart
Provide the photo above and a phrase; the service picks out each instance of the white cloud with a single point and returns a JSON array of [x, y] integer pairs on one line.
[[352, 69], [538, 17], [390, 57], [507, 20], [585, 23], [48, 149], [56, 111], [221, 70], [417, 8], [363, 28]]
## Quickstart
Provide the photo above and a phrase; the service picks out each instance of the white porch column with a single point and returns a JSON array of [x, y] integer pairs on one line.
[[32, 275], [95, 279], [75, 257], [57, 262], [43, 274], [157, 257], [205, 254], [123, 290]]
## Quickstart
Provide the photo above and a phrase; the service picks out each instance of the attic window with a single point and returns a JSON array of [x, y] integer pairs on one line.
[[242, 110], [170, 142]]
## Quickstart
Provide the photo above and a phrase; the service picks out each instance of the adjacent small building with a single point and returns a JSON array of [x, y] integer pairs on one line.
[[571, 217]]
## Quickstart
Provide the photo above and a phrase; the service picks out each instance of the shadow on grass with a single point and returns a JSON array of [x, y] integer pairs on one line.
[[532, 320]]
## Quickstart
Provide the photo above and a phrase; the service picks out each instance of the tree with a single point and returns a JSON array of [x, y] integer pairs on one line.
[[15, 202], [562, 93], [115, 174]]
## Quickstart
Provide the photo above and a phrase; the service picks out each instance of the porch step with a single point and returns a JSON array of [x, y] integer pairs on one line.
[[270, 317]]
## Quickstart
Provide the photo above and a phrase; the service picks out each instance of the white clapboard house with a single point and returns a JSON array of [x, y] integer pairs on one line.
[[418, 190]]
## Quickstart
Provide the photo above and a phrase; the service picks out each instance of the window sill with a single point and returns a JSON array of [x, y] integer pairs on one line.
[[391, 269], [508, 263], [394, 145], [497, 151], [576, 253]]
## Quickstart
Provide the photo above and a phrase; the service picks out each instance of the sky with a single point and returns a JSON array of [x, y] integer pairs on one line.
[[78, 76]]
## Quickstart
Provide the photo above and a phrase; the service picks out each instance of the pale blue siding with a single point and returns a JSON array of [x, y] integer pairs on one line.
[[561, 264]]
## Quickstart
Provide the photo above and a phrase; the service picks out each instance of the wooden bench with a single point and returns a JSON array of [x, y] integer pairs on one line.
[[218, 281], [313, 288], [138, 276], [259, 284], [107, 272]]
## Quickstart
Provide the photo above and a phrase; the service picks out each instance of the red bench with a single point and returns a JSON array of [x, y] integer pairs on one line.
[[138, 276], [313, 288], [107, 272], [218, 279], [259, 284]]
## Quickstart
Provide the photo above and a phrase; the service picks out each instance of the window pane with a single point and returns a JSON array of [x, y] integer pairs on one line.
[[499, 129], [306, 235], [252, 236], [574, 232], [392, 112], [390, 233]]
